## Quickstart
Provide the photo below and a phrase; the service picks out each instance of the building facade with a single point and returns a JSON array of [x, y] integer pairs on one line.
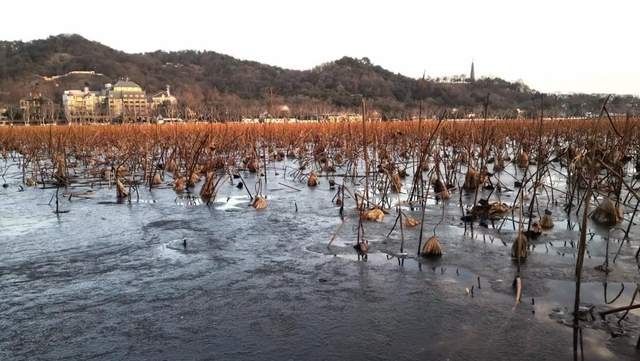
[[84, 105], [36, 108], [163, 98], [124, 101]]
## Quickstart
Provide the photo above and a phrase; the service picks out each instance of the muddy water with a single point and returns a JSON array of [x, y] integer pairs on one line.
[[114, 281]]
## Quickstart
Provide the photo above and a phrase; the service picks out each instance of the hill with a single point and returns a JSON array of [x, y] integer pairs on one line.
[[218, 84]]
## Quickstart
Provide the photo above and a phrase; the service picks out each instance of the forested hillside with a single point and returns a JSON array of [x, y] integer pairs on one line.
[[212, 82]]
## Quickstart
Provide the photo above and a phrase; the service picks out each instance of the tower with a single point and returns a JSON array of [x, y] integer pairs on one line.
[[472, 76]]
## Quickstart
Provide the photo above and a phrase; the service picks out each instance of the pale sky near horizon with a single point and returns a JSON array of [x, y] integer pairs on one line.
[[552, 45]]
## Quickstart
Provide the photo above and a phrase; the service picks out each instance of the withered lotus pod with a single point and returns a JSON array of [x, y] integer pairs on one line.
[[546, 222], [193, 179], [156, 180], [472, 180], [523, 160], [396, 185], [431, 248], [410, 221], [519, 250], [121, 191], [207, 193], [180, 184], [259, 203], [312, 181], [438, 186], [252, 165], [374, 214], [607, 214]]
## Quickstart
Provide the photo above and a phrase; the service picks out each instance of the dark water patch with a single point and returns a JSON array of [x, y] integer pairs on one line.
[[170, 224]]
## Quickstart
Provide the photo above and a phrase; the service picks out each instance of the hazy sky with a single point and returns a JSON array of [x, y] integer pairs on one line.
[[553, 45]]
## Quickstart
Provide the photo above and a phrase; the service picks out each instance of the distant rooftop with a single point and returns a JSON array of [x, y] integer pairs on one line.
[[126, 84]]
